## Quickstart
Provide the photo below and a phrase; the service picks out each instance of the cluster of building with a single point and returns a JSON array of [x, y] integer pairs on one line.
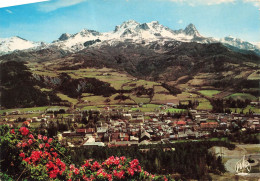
[[142, 128]]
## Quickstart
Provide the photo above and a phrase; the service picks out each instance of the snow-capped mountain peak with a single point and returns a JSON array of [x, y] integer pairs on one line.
[[236, 42], [16, 43], [191, 30], [64, 36], [86, 32], [129, 23], [144, 33], [152, 31]]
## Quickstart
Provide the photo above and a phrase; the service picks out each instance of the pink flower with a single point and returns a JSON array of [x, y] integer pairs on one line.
[[22, 155], [30, 141], [55, 154], [134, 163], [35, 156], [49, 165], [41, 145], [109, 161], [31, 136], [95, 166], [85, 177], [130, 171], [116, 161], [27, 160], [19, 145], [76, 171], [61, 164], [109, 177], [99, 171], [24, 144], [119, 174], [24, 131], [72, 167], [87, 163], [47, 145], [146, 173], [49, 140], [164, 178], [45, 138], [39, 136], [53, 173], [122, 158], [12, 131]]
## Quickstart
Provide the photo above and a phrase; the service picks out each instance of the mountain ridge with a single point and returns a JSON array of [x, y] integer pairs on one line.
[[128, 30]]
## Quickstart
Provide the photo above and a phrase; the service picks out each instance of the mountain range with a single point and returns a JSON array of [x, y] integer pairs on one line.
[[129, 31], [178, 60]]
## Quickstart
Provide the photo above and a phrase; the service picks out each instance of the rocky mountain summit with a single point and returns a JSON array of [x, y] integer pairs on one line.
[[129, 31]]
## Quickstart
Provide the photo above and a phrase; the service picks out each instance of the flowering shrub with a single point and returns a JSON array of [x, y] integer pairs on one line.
[[41, 160]]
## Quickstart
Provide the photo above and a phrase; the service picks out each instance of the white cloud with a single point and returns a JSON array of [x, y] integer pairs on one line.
[[203, 2], [255, 2], [9, 11], [180, 21], [54, 5]]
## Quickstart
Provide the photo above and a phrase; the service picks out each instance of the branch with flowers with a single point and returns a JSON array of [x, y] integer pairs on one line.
[[42, 159]]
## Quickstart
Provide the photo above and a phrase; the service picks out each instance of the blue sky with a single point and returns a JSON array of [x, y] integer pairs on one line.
[[46, 21]]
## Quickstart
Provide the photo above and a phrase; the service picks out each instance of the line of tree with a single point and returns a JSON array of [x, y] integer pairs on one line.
[[222, 106], [191, 104], [165, 159], [173, 90]]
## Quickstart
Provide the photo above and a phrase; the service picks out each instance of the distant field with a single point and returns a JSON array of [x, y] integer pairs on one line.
[[67, 98], [164, 98], [44, 89], [118, 80], [146, 84], [254, 76], [45, 73], [187, 96], [151, 105], [121, 80], [90, 107], [87, 94], [209, 93], [158, 89], [95, 99], [127, 101], [139, 100], [223, 94], [115, 102], [241, 96], [147, 108], [31, 109], [204, 104], [175, 110]]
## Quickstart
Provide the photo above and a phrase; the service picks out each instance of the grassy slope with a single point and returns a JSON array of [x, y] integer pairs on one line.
[[32, 109], [209, 93], [242, 96], [120, 80]]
